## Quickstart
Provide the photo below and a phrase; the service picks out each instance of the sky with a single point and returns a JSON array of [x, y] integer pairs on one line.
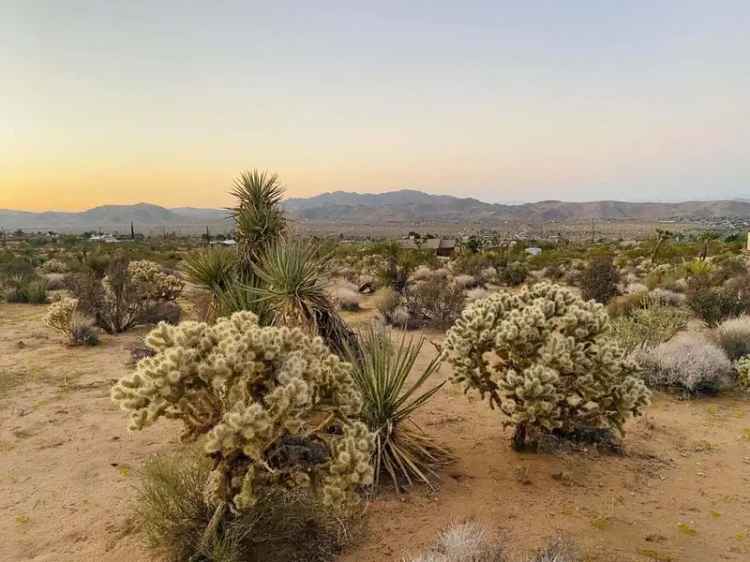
[[167, 102]]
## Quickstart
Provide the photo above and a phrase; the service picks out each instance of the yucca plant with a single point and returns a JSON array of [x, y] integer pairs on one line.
[[293, 282], [381, 371], [212, 269], [258, 216]]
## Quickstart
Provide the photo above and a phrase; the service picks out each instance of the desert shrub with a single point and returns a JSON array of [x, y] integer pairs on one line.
[[743, 373], [624, 305], [36, 291], [648, 325], [284, 525], [130, 293], [63, 316], [544, 358], [464, 281], [713, 305], [476, 294], [54, 265], [26, 289], [435, 302], [276, 407], [346, 298], [398, 266], [381, 373], [470, 542], [599, 280], [667, 297], [689, 362], [463, 542], [734, 337], [55, 281], [513, 274], [386, 301], [345, 295], [83, 331], [553, 272]]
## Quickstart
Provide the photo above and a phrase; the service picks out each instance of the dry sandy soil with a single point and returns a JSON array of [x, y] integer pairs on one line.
[[680, 491]]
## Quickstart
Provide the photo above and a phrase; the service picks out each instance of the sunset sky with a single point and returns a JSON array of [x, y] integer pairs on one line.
[[166, 102]]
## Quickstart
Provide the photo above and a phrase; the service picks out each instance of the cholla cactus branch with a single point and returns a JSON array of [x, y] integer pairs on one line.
[[542, 356], [275, 405]]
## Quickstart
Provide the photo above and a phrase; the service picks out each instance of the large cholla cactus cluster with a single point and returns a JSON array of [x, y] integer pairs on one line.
[[543, 357], [277, 407], [152, 283]]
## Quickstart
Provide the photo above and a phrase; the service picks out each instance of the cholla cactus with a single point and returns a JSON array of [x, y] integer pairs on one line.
[[743, 373], [64, 317], [152, 283], [60, 315], [276, 405], [543, 357]]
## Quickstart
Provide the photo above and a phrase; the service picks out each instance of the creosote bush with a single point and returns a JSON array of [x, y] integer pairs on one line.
[[544, 358], [599, 280], [131, 292], [276, 408]]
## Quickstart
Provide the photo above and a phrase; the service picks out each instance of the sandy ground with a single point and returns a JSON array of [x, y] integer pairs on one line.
[[68, 466]]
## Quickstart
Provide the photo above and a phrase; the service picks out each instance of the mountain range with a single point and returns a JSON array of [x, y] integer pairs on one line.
[[405, 207]]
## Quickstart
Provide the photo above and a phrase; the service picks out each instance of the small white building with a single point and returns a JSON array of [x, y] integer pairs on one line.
[[534, 251]]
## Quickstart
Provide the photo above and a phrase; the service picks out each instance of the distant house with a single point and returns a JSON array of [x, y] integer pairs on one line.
[[227, 242], [441, 246], [533, 251]]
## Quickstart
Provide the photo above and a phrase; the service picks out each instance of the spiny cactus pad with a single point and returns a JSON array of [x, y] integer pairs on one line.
[[276, 406]]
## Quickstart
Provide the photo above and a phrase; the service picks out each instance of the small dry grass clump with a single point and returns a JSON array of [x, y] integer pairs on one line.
[[470, 542], [464, 542], [173, 513], [734, 336]]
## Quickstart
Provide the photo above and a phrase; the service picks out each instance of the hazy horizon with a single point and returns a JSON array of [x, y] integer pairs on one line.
[[166, 103]]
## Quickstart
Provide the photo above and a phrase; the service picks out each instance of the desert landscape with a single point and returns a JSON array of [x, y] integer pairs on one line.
[[374, 281], [662, 478]]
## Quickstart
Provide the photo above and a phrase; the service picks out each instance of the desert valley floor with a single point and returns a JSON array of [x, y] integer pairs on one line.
[[68, 467]]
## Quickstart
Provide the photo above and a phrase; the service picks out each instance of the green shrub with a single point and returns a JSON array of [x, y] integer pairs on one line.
[[713, 305], [599, 280], [513, 275], [648, 325]]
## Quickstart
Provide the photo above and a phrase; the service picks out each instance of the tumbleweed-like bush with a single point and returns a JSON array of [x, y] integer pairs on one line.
[[733, 336], [276, 406], [689, 362], [543, 356]]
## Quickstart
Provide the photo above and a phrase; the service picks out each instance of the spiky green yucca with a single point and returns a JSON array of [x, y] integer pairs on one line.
[[293, 282], [381, 373], [259, 219], [212, 268]]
